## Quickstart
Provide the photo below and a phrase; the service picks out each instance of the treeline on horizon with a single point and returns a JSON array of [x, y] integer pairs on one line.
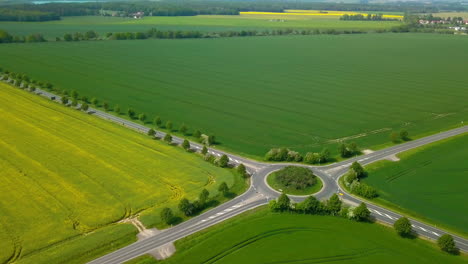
[[368, 17], [53, 11]]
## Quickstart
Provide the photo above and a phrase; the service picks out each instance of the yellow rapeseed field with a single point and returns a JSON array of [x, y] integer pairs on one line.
[[312, 13], [64, 174]]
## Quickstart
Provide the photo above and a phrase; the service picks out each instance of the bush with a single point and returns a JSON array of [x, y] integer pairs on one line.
[[295, 177], [361, 213], [283, 154], [403, 227], [363, 190], [447, 244], [167, 216]]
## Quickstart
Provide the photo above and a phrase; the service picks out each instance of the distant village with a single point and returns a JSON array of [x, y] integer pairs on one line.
[[455, 23]]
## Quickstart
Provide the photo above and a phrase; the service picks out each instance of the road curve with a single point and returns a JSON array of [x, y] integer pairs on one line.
[[259, 193]]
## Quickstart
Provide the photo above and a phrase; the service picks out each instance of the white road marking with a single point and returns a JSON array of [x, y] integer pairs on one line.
[[377, 212], [422, 228], [237, 205], [228, 210], [219, 213], [236, 161], [413, 226], [211, 217], [219, 155], [388, 216], [435, 233]]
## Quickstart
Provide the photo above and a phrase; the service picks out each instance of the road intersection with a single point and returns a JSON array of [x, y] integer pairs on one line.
[[260, 193]]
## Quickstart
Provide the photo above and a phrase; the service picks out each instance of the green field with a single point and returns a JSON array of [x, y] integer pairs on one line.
[[429, 182], [264, 237], [67, 178], [256, 93], [102, 25]]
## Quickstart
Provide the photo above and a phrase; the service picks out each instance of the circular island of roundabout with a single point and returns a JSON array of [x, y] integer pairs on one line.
[[295, 180]]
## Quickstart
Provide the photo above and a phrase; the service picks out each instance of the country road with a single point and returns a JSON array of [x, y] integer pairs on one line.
[[260, 193]]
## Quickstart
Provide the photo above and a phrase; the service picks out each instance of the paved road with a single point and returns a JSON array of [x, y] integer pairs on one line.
[[260, 193]]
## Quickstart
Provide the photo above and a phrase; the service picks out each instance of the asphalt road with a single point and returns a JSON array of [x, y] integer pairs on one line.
[[260, 193]]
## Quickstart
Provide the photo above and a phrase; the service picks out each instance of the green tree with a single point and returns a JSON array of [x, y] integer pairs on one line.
[[197, 134], [142, 117], [131, 113], [84, 107], [283, 203], [394, 137], [151, 132], [324, 156], [84, 99], [157, 121], [186, 207], [105, 105], [361, 213], [404, 135], [74, 102], [242, 170], [403, 226], [358, 169], [223, 188], [211, 140], [117, 109], [169, 125], [183, 129], [168, 138], [186, 144], [447, 244], [223, 161], [310, 205], [203, 197], [64, 100], [334, 204], [167, 215], [67, 37], [94, 101], [344, 151], [74, 94], [204, 150]]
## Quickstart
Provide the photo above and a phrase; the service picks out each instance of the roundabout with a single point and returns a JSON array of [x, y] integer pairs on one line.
[[295, 181]]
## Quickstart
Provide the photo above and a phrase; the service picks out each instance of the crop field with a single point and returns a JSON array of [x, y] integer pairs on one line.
[[67, 178], [251, 238], [211, 23], [430, 182], [257, 93]]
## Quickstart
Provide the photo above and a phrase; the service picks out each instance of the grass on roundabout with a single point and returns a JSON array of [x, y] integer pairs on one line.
[[278, 186]]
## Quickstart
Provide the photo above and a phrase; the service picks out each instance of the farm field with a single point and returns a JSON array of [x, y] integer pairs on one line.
[[295, 238], [430, 182], [257, 93], [211, 23], [67, 178]]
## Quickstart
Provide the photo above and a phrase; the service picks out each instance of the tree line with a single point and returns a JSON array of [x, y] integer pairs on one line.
[[368, 17], [346, 150], [179, 34], [9, 14], [333, 206], [53, 11], [6, 37]]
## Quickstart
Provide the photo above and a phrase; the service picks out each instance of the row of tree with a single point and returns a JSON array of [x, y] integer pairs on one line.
[[396, 137], [368, 17], [191, 8], [284, 154], [332, 206], [353, 181], [192, 208], [6, 37], [9, 14]]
